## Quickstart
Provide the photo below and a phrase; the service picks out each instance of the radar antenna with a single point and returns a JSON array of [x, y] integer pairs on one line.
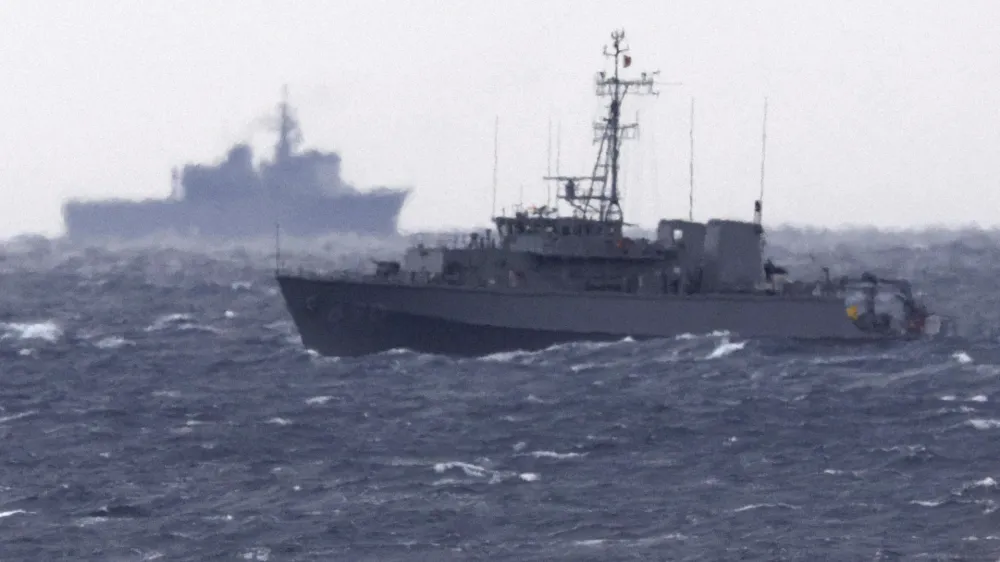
[[602, 198]]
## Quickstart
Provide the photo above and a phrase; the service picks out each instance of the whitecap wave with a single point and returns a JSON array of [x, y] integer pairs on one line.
[[46, 330]]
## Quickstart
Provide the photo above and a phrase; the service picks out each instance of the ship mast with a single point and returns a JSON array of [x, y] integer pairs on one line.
[[288, 130], [602, 200]]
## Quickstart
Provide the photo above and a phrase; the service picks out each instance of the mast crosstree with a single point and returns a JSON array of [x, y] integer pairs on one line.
[[601, 201]]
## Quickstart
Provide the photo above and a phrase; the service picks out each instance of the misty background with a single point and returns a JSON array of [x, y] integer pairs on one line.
[[879, 115]]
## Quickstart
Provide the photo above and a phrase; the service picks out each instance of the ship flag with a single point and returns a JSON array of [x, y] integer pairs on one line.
[[628, 61]]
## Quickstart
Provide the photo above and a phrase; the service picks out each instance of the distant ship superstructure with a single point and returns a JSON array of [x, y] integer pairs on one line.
[[303, 191]]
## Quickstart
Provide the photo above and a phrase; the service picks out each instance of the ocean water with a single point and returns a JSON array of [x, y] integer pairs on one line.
[[156, 404]]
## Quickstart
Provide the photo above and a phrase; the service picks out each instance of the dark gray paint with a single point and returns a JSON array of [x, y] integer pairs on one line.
[[351, 317]]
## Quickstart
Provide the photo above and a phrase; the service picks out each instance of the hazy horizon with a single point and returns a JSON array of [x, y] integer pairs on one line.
[[883, 116]]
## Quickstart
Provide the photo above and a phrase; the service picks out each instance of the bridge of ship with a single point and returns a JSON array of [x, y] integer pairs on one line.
[[542, 252]]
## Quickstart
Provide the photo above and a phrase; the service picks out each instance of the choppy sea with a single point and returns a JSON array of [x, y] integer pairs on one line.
[[157, 404]]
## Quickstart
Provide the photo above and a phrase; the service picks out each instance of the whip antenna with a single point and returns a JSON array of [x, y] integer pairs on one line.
[[691, 169], [758, 207]]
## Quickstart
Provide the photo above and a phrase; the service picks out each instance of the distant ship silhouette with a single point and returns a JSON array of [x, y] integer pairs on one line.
[[301, 191]]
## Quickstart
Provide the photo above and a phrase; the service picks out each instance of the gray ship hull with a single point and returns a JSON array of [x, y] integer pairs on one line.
[[341, 317], [374, 214]]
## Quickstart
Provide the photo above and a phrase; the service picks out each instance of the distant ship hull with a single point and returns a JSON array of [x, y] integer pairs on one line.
[[351, 318], [374, 213]]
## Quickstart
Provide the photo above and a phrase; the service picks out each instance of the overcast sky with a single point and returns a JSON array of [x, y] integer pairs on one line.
[[884, 115]]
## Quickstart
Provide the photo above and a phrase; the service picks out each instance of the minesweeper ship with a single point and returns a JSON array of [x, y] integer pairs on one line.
[[546, 277]]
